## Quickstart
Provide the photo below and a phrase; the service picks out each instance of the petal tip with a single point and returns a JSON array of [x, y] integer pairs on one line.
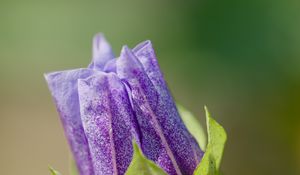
[[125, 50], [98, 37], [49, 76], [102, 52], [126, 53], [128, 63], [142, 45], [46, 76]]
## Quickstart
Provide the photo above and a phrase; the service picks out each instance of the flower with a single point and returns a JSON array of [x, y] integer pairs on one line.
[[115, 100]]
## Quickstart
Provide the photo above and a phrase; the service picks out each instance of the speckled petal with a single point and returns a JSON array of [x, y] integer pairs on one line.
[[102, 52], [107, 119], [63, 87], [146, 54], [164, 137]]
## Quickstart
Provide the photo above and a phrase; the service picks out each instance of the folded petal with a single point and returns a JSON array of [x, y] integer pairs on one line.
[[110, 66], [63, 87], [164, 138], [102, 52], [107, 119], [146, 54]]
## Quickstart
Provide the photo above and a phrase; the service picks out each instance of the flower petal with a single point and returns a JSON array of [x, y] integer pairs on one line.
[[146, 54], [102, 52], [164, 138], [107, 119], [63, 87], [110, 66]]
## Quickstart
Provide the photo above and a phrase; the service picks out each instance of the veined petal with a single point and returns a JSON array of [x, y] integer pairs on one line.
[[102, 52], [164, 137], [144, 96], [107, 119], [146, 54], [63, 87]]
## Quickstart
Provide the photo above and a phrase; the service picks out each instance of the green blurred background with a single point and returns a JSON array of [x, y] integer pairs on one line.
[[240, 58]]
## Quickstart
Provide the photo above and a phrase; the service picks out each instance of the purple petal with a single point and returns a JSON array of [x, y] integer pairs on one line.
[[63, 87], [102, 52], [110, 66], [107, 119], [146, 54], [164, 137]]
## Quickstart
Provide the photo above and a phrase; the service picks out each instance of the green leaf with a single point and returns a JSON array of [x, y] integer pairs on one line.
[[217, 137], [53, 171], [141, 165], [193, 126]]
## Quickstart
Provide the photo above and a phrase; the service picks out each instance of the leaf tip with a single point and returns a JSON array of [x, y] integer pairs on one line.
[[135, 146], [53, 171]]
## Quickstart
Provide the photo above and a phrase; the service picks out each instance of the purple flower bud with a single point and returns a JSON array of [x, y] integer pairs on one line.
[[113, 101]]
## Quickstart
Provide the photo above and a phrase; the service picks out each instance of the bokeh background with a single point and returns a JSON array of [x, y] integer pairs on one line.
[[240, 58]]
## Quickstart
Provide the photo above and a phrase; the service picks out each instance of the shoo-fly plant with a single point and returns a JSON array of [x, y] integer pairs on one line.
[[120, 118]]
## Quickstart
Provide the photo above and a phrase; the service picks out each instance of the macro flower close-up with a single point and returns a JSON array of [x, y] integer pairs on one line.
[[114, 101], [141, 87]]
